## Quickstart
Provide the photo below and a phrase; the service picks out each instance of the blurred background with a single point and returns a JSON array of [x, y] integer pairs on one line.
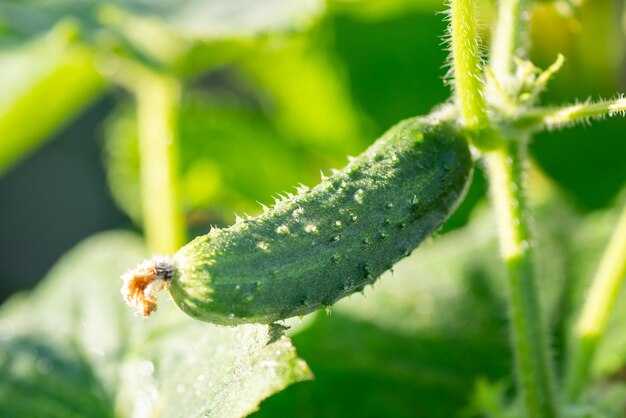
[[252, 98], [258, 118]]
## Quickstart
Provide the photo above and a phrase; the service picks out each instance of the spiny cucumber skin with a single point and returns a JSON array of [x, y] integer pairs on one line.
[[323, 244]]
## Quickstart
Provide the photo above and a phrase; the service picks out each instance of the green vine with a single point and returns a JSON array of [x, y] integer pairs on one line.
[[468, 81], [556, 117], [596, 311], [157, 98], [506, 171], [157, 102], [467, 70]]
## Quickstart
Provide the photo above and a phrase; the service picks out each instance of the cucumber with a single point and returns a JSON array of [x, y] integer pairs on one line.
[[322, 244]]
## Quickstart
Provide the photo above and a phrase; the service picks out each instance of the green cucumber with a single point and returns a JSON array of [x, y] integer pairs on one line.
[[322, 244]]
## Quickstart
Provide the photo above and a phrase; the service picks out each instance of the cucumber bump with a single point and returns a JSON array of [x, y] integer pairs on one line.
[[321, 244]]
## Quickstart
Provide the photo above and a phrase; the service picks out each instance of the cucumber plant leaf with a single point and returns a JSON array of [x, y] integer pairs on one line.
[[210, 19], [373, 10], [51, 76], [205, 19], [72, 349], [305, 66], [51, 50]]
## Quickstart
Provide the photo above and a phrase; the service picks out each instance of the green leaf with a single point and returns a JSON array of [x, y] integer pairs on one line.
[[183, 37], [37, 379], [200, 19], [236, 18], [72, 348], [308, 92], [383, 9], [601, 401], [44, 83]]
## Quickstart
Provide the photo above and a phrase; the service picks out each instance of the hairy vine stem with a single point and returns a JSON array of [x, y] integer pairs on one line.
[[557, 117], [506, 170], [467, 70], [595, 313], [468, 73]]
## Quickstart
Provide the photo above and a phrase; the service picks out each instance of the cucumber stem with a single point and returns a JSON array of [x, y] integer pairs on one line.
[[596, 310], [468, 72], [506, 168], [564, 116], [466, 64], [157, 99]]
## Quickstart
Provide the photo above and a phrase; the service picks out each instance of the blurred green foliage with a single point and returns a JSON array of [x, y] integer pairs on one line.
[[231, 158], [585, 160], [34, 83], [269, 100]]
